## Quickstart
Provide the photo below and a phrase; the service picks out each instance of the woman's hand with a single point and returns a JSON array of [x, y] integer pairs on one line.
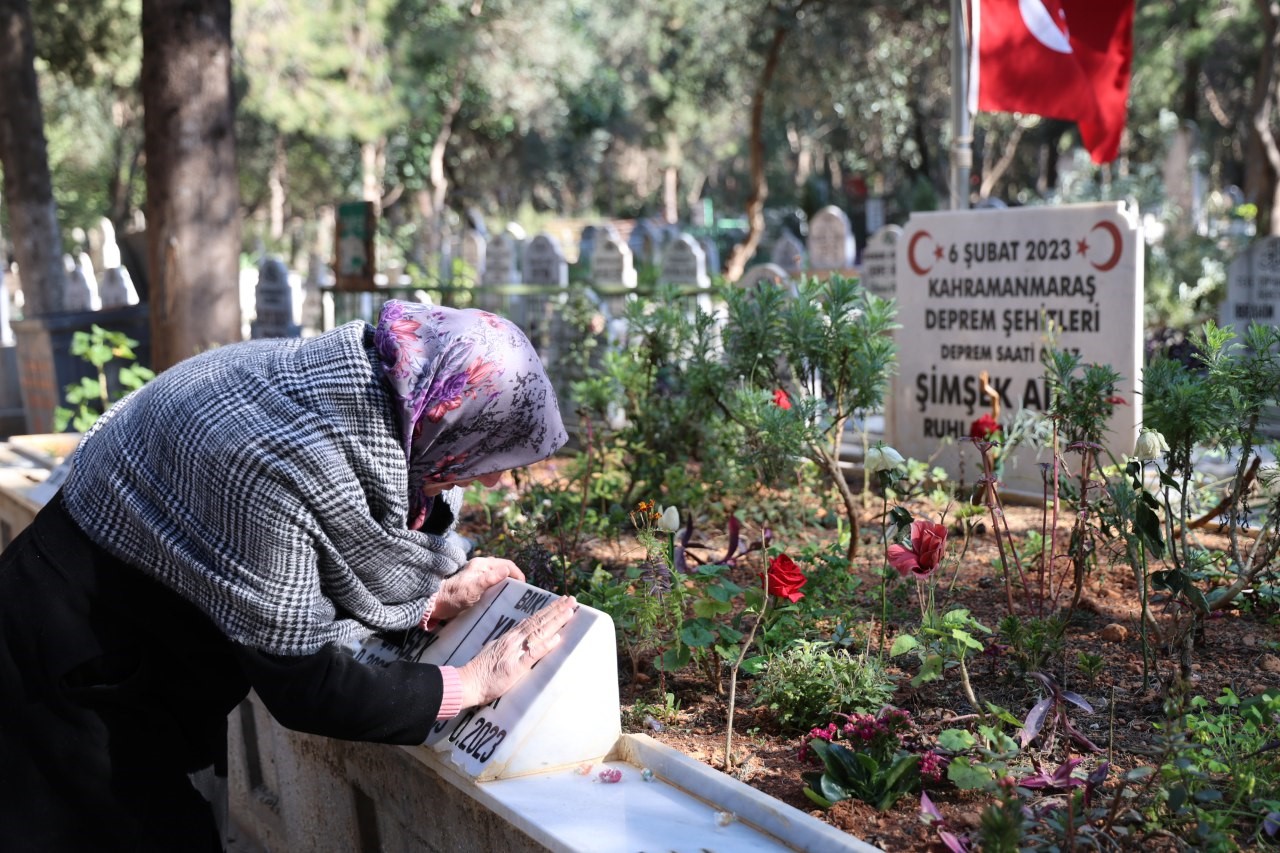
[[465, 588], [506, 660]]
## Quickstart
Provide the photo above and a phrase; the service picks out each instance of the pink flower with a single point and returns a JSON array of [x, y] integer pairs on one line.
[[928, 542]]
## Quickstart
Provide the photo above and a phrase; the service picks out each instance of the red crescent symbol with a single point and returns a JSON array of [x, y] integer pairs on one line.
[[1117, 245], [911, 253]]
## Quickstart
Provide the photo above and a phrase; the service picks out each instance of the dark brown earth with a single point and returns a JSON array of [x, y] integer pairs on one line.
[[1238, 650]]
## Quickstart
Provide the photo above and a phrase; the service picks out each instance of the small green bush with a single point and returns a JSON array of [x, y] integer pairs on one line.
[[811, 682]]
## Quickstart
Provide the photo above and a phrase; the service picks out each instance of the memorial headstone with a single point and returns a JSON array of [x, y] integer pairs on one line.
[[763, 272], [587, 245], [116, 289], [831, 244], [685, 263], [788, 253], [880, 262], [564, 712], [645, 243], [472, 252], [500, 261], [79, 296], [1253, 287], [273, 300], [712, 253], [544, 262], [988, 291], [611, 264]]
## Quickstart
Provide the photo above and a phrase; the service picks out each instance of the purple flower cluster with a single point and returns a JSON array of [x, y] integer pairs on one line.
[[933, 766]]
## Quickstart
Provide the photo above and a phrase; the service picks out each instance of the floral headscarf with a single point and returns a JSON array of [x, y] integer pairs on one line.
[[472, 396]]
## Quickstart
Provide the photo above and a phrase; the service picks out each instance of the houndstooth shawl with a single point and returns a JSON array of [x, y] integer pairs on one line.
[[266, 482]]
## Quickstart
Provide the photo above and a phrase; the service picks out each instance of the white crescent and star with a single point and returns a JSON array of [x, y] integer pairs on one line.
[[1046, 21]]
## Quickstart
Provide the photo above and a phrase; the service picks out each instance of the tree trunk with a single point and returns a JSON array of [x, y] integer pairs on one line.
[[276, 179], [1262, 154], [28, 188], [193, 192]]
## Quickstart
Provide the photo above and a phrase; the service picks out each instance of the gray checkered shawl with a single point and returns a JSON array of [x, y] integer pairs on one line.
[[266, 482]]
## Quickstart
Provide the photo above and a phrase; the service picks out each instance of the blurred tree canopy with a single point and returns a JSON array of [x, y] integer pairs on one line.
[[617, 109]]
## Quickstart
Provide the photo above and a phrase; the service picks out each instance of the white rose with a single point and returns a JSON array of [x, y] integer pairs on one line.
[[1151, 445], [882, 458], [670, 520]]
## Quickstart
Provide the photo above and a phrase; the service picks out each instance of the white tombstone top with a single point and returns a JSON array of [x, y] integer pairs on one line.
[[79, 294], [788, 253], [880, 262], [612, 262], [831, 243], [977, 291], [683, 262], [500, 261], [544, 262], [644, 242], [763, 272], [472, 251], [712, 253], [1253, 287], [116, 289], [563, 713], [273, 302]]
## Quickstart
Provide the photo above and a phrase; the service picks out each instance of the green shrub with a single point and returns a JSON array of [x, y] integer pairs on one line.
[[811, 682]]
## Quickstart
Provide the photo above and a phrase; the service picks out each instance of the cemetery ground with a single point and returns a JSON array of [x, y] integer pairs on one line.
[[1176, 753]]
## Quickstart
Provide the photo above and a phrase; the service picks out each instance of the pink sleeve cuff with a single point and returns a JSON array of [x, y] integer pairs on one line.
[[451, 701], [425, 622]]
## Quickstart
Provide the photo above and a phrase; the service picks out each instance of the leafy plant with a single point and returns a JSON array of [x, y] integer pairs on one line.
[[93, 395], [874, 769], [1051, 710], [814, 680]]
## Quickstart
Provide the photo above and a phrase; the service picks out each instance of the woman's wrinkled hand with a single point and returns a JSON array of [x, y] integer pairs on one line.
[[502, 663], [465, 588]]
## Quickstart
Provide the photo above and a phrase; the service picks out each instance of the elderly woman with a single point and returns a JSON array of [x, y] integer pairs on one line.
[[242, 522]]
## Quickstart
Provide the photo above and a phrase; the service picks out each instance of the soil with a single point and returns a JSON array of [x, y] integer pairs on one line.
[[1240, 650]]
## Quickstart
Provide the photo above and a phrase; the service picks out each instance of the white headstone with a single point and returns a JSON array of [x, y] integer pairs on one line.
[[79, 295], [880, 262], [563, 713], [1253, 287], [683, 262], [544, 262], [472, 251], [611, 263], [500, 261], [587, 243], [273, 301], [763, 272], [788, 253], [644, 242], [831, 244], [116, 288], [979, 291], [712, 252]]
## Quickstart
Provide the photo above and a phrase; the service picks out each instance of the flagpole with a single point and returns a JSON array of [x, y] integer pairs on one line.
[[961, 135]]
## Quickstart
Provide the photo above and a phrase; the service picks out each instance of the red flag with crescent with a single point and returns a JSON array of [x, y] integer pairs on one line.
[[1064, 59]]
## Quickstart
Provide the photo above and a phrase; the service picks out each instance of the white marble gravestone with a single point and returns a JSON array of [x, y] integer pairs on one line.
[[684, 262], [500, 260], [763, 272], [544, 262], [273, 301], [1253, 287], [831, 244], [80, 295], [979, 290], [788, 253], [880, 262], [611, 264], [563, 713]]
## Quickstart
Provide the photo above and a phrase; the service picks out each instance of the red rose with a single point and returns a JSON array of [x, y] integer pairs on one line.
[[984, 428], [785, 578], [928, 542], [781, 400]]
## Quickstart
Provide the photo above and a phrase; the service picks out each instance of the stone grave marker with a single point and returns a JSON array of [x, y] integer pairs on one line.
[[788, 253], [1253, 287], [563, 713], [500, 260], [684, 262], [273, 298], [980, 290], [116, 289], [712, 253], [611, 264], [831, 244], [472, 251], [764, 272], [880, 262], [80, 294], [544, 262], [644, 243]]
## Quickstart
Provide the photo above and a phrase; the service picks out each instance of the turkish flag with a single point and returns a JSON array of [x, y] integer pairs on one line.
[[1064, 59]]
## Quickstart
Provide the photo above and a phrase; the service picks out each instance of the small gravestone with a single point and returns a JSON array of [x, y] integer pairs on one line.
[[472, 252], [611, 264], [273, 300], [880, 262], [788, 253], [684, 262], [544, 262], [79, 294], [712, 253], [831, 243], [587, 245], [644, 243], [763, 272], [563, 713], [116, 289], [1253, 287], [500, 261]]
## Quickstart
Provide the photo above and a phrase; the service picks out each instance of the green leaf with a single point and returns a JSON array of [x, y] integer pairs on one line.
[[817, 798], [956, 740], [930, 670], [902, 644], [698, 633], [709, 608], [673, 659], [968, 776]]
